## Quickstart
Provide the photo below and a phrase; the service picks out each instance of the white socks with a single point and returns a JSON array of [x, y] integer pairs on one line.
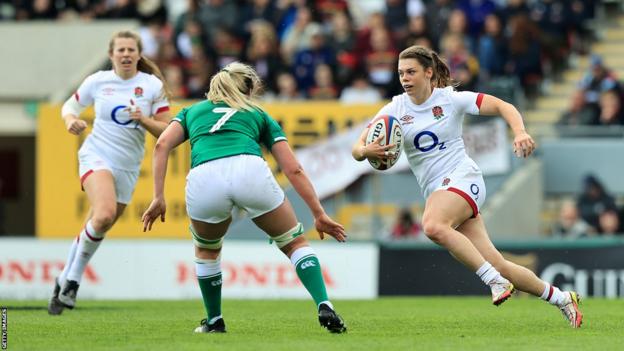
[[553, 295], [70, 260], [87, 245], [488, 273]]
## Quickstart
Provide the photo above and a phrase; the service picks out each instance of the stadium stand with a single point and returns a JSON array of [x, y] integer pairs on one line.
[[190, 40]]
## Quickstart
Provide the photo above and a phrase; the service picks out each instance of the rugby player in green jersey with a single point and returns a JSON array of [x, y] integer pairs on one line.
[[226, 132]]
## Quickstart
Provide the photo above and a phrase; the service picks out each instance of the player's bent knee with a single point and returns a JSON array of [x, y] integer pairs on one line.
[[202, 243], [286, 238], [434, 231], [103, 220]]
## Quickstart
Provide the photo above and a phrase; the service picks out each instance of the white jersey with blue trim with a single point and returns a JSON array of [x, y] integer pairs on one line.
[[432, 132], [116, 137]]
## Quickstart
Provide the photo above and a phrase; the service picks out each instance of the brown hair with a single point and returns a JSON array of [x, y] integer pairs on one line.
[[144, 65], [237, 85], [430, 59]]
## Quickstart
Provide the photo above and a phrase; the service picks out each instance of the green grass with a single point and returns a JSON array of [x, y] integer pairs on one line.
[[430, 323]]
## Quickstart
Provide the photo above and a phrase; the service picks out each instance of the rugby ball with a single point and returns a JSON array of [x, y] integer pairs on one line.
[[389, 128]]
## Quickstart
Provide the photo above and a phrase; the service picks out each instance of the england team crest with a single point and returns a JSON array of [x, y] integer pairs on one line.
[[446, 181], [138, 92], [437, 112]]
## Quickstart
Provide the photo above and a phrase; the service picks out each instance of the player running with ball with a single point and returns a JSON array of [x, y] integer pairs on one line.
[[431, 114]]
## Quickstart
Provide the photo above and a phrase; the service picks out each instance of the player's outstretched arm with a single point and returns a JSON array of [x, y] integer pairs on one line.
[[168, 140], [523, 144], [294, 172]]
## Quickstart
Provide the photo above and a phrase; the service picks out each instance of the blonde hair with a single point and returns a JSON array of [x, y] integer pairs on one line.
[[237, 85], [144, 65], [430, 59]]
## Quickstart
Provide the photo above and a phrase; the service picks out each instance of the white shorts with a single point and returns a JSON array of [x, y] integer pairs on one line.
[[245, 181], [467, 181], [125, 181]]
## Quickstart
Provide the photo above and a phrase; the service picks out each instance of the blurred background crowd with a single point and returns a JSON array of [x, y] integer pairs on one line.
[[347, 49]]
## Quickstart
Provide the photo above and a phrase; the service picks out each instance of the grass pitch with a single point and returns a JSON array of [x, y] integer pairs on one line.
[[429, 323]]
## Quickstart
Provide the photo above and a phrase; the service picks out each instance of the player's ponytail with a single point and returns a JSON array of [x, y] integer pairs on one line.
[[237, 85], [144, 65], [430, 59]]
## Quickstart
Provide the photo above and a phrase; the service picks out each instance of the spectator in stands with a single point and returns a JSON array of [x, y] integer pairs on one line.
[[598, 79], [324, 87], [463, 65], [226, 132], [580, 112], [381, 61], [306, 60], [611, 109], [552, 17], [569, 224], [406, 226], [360, 92], [287, 89], [492, 49], [594, 200], [609, 223], [396, 19], [525, 53], [342, 40], [438, 14], [298, 36], [416, 30], [476, 13], [214, 15], [451, 181], [263, 54], [129, 100]]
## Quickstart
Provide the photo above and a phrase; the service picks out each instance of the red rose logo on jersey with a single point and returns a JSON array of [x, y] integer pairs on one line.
[[437, 112], [138, 92], [446, 181]]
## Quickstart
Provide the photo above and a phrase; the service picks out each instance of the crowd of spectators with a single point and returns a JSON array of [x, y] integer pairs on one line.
[[598, 100], [593, 213], [327, 49]]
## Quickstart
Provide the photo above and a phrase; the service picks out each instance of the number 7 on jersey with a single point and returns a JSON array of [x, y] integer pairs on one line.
[[228, 112]]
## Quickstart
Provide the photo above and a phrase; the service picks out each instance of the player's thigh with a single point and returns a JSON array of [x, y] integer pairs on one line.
[[446, 208], [100, 189], [474, 229], [277, 221], [211, 231]]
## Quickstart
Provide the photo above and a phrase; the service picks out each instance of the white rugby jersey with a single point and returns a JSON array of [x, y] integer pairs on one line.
[[432, 132], [116, 137]]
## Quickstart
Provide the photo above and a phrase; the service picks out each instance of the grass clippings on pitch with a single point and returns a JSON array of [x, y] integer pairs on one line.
[[423, 323]]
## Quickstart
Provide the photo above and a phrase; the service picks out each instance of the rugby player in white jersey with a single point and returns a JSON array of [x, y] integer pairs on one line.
[[227, 170], [128, 100], [431, 113]]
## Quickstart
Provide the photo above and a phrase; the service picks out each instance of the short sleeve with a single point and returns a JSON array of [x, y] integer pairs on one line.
[[159, 100], [388, 110], [86, 91], [467, 101], [272, 132], [181, 118]]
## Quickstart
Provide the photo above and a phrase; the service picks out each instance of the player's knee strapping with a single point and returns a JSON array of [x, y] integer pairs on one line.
[[286, 238], [205, 243]]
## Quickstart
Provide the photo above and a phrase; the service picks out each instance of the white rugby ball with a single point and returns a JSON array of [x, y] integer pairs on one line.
[[389, 128]]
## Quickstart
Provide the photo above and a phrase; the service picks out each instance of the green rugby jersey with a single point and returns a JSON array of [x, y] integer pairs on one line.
[[217, 131]]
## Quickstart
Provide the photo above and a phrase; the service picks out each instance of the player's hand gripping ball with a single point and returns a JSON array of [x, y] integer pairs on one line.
[[389, 128]]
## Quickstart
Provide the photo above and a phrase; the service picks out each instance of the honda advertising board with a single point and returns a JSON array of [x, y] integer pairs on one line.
[[161, 269]]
